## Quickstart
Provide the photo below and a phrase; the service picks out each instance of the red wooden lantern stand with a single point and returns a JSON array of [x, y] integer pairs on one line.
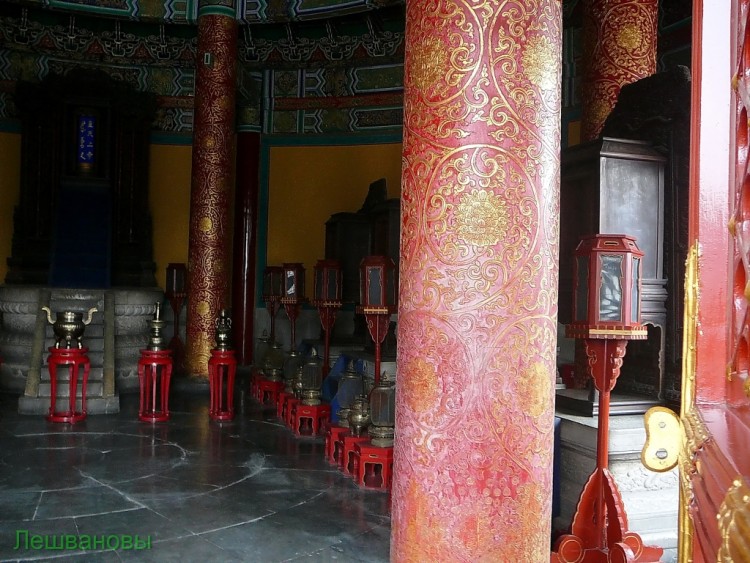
[[606, 313], [77, 359], [599, 531], [348, 462], [327, 292], [153, 365], [268, 391], [222, 368], [327, 311]]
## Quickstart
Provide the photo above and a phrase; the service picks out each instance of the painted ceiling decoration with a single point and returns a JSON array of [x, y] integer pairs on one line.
[[186, 11]]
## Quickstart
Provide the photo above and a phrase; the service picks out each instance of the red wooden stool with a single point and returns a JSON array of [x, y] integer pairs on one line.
[[290, 416], [335, 443], [269, 391], [348, 461], [370, 458], [76, 358], [311, 419], [222, 367], [151, 365]]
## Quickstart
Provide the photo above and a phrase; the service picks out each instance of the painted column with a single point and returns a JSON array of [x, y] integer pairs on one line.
[[619, 47], [478, 282], [212, 176], [243, 270]]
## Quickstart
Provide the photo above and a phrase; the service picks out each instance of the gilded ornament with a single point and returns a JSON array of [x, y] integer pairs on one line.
[[539, 62], [534, 390], [733, 517], [628, 37], [481, 218], [429, 64], [206, 224], [203, 308], [209, 143], [421, 387]]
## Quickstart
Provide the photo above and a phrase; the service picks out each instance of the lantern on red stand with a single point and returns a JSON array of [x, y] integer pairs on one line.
[[293, 295], [377, 296], [273, 277], [176, 293], [606, 313], [327, 291]]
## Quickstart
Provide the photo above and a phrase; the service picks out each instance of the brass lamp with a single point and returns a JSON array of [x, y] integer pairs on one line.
[[383, 412], [377, 294], [350, 387], [273, 365], [312, 379]]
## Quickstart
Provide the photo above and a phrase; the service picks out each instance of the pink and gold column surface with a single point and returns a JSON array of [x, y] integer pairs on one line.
[[619, 48], [478, 282], [212, 176]]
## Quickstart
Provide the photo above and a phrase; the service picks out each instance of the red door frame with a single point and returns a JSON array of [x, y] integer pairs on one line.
[[716, 408]]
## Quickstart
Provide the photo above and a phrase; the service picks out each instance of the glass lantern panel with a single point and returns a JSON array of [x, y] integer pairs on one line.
[[349, 389], [636, 303], [261, 349], [290, 287], [582, 289], [373, 287], [291, 365], [610, 290], [383, 406], [332, 285], [320, 289]]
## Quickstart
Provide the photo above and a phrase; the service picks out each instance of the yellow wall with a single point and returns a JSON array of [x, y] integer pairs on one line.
[[169, 189], [10, 185], [308, 184]]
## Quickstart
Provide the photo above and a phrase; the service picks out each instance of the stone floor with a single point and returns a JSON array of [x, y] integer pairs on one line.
[[245, 490]]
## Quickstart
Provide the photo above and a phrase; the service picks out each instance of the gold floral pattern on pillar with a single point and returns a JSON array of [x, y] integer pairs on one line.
[[619, 48], [210, 201], [478, 281]]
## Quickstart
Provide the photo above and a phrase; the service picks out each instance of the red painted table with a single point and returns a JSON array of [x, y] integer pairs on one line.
[[76, 359], [151, 365], [335, 443], [310, 419], [367, 460]]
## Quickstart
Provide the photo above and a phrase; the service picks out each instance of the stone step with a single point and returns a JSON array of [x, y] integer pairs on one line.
[[95, 374], [94, 405], [93, 389]]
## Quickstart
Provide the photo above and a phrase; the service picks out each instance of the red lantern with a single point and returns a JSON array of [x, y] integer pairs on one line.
[[377, 294], [273, 277], [327, 282], [607, 289], [293, 295]]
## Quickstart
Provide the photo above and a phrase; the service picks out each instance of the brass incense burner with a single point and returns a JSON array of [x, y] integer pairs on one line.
[[69, 326]]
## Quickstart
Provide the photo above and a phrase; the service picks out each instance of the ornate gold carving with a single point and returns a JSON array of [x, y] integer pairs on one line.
[[695, 432], [534, 390], [628, 37], [206, 224], [734, 518], [422, 389], [536, 61], [429, 64], [203, 308], [481, 218]]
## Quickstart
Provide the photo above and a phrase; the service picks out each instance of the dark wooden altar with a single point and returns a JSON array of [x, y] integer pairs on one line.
[[83, 216]]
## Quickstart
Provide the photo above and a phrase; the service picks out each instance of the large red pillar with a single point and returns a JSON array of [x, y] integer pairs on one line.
[[209, 255], [478, 282], [619, 47]]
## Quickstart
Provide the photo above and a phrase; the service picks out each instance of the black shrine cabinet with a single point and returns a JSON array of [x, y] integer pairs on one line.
[[616, 186], [83, 216]]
